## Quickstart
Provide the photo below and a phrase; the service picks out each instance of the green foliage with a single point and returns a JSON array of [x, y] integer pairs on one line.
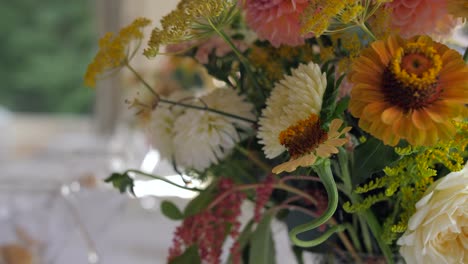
[[200, 202], [45, 48], [371, 156], [331, 93], [262, 250], [365, 204], [121, 181], [243, 238], [170, 210], [407, 179], [190, 256], [236, 166]]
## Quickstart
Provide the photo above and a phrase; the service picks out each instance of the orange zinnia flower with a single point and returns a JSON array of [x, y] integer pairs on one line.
[[408, 89]]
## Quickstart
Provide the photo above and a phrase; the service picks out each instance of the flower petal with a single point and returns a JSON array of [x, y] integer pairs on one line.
[[391, 115]]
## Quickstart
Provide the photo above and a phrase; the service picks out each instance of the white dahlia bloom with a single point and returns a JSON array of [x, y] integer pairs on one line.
[[160, 131], [203, 138], [160, 128], [438, 231]]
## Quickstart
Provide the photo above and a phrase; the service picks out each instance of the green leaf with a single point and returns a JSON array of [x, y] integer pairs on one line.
[[190, 256], [371, 156], [298, 254], [341, 106], [170, 210], [376, 230], [201, 201], [329, 98], [243, 238], [122, 182], [262, 249]]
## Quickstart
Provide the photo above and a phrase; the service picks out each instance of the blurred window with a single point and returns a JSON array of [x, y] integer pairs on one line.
[[45, 48]]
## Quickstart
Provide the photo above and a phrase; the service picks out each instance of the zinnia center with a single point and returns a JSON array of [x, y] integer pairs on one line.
[[303, 137], [411, 79]]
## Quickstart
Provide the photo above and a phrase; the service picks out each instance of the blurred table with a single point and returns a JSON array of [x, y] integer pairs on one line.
[[41, 162]]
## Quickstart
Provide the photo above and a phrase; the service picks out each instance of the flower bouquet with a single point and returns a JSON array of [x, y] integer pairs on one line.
[[346, 120]]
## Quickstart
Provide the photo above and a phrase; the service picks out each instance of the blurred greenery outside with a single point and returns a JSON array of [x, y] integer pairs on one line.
[[45, 49]]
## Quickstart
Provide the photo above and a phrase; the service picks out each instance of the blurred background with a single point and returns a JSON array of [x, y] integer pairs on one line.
[[59, 139]]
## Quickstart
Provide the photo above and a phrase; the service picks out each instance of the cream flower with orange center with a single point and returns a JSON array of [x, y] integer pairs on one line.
[[291, 122]]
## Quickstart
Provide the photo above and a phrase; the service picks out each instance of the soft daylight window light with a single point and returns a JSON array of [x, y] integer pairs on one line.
[[162, 189], [150, 161]]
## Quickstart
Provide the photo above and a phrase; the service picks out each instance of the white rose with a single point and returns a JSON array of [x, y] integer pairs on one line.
[[438, 231]]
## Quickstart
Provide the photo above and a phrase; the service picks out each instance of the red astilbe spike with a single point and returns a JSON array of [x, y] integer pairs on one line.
[[263, 195], [209, 228]]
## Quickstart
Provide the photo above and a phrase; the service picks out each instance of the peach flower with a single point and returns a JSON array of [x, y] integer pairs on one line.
[[420, 17], [205, 47], [218, 46], [276, 20]]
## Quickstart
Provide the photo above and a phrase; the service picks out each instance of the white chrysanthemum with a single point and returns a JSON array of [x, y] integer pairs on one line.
[[160, 129], [203, 138], [294, 98]]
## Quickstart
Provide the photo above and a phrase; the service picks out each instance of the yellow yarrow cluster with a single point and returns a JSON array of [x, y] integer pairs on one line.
[[318, 14], [428, 77], [351, 12], [179, 25], [113, 50]]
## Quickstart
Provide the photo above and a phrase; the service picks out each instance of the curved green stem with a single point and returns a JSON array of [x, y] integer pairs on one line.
[[162, 179], [324, 172]]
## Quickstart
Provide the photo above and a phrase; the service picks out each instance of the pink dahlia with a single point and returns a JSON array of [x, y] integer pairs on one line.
[[276, 20], [420, 17]]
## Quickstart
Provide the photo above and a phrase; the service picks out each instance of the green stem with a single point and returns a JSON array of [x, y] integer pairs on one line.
[[290, 189], [465, 55], [204, 108], [343, 159], [229, 42], [354, 237], [166, 101], [235, 189], [366, 29], [365, 233], [324, 172], [376, 230], [162, 179], [344, 168], [142, 80], [239, 54], [254, 158]]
